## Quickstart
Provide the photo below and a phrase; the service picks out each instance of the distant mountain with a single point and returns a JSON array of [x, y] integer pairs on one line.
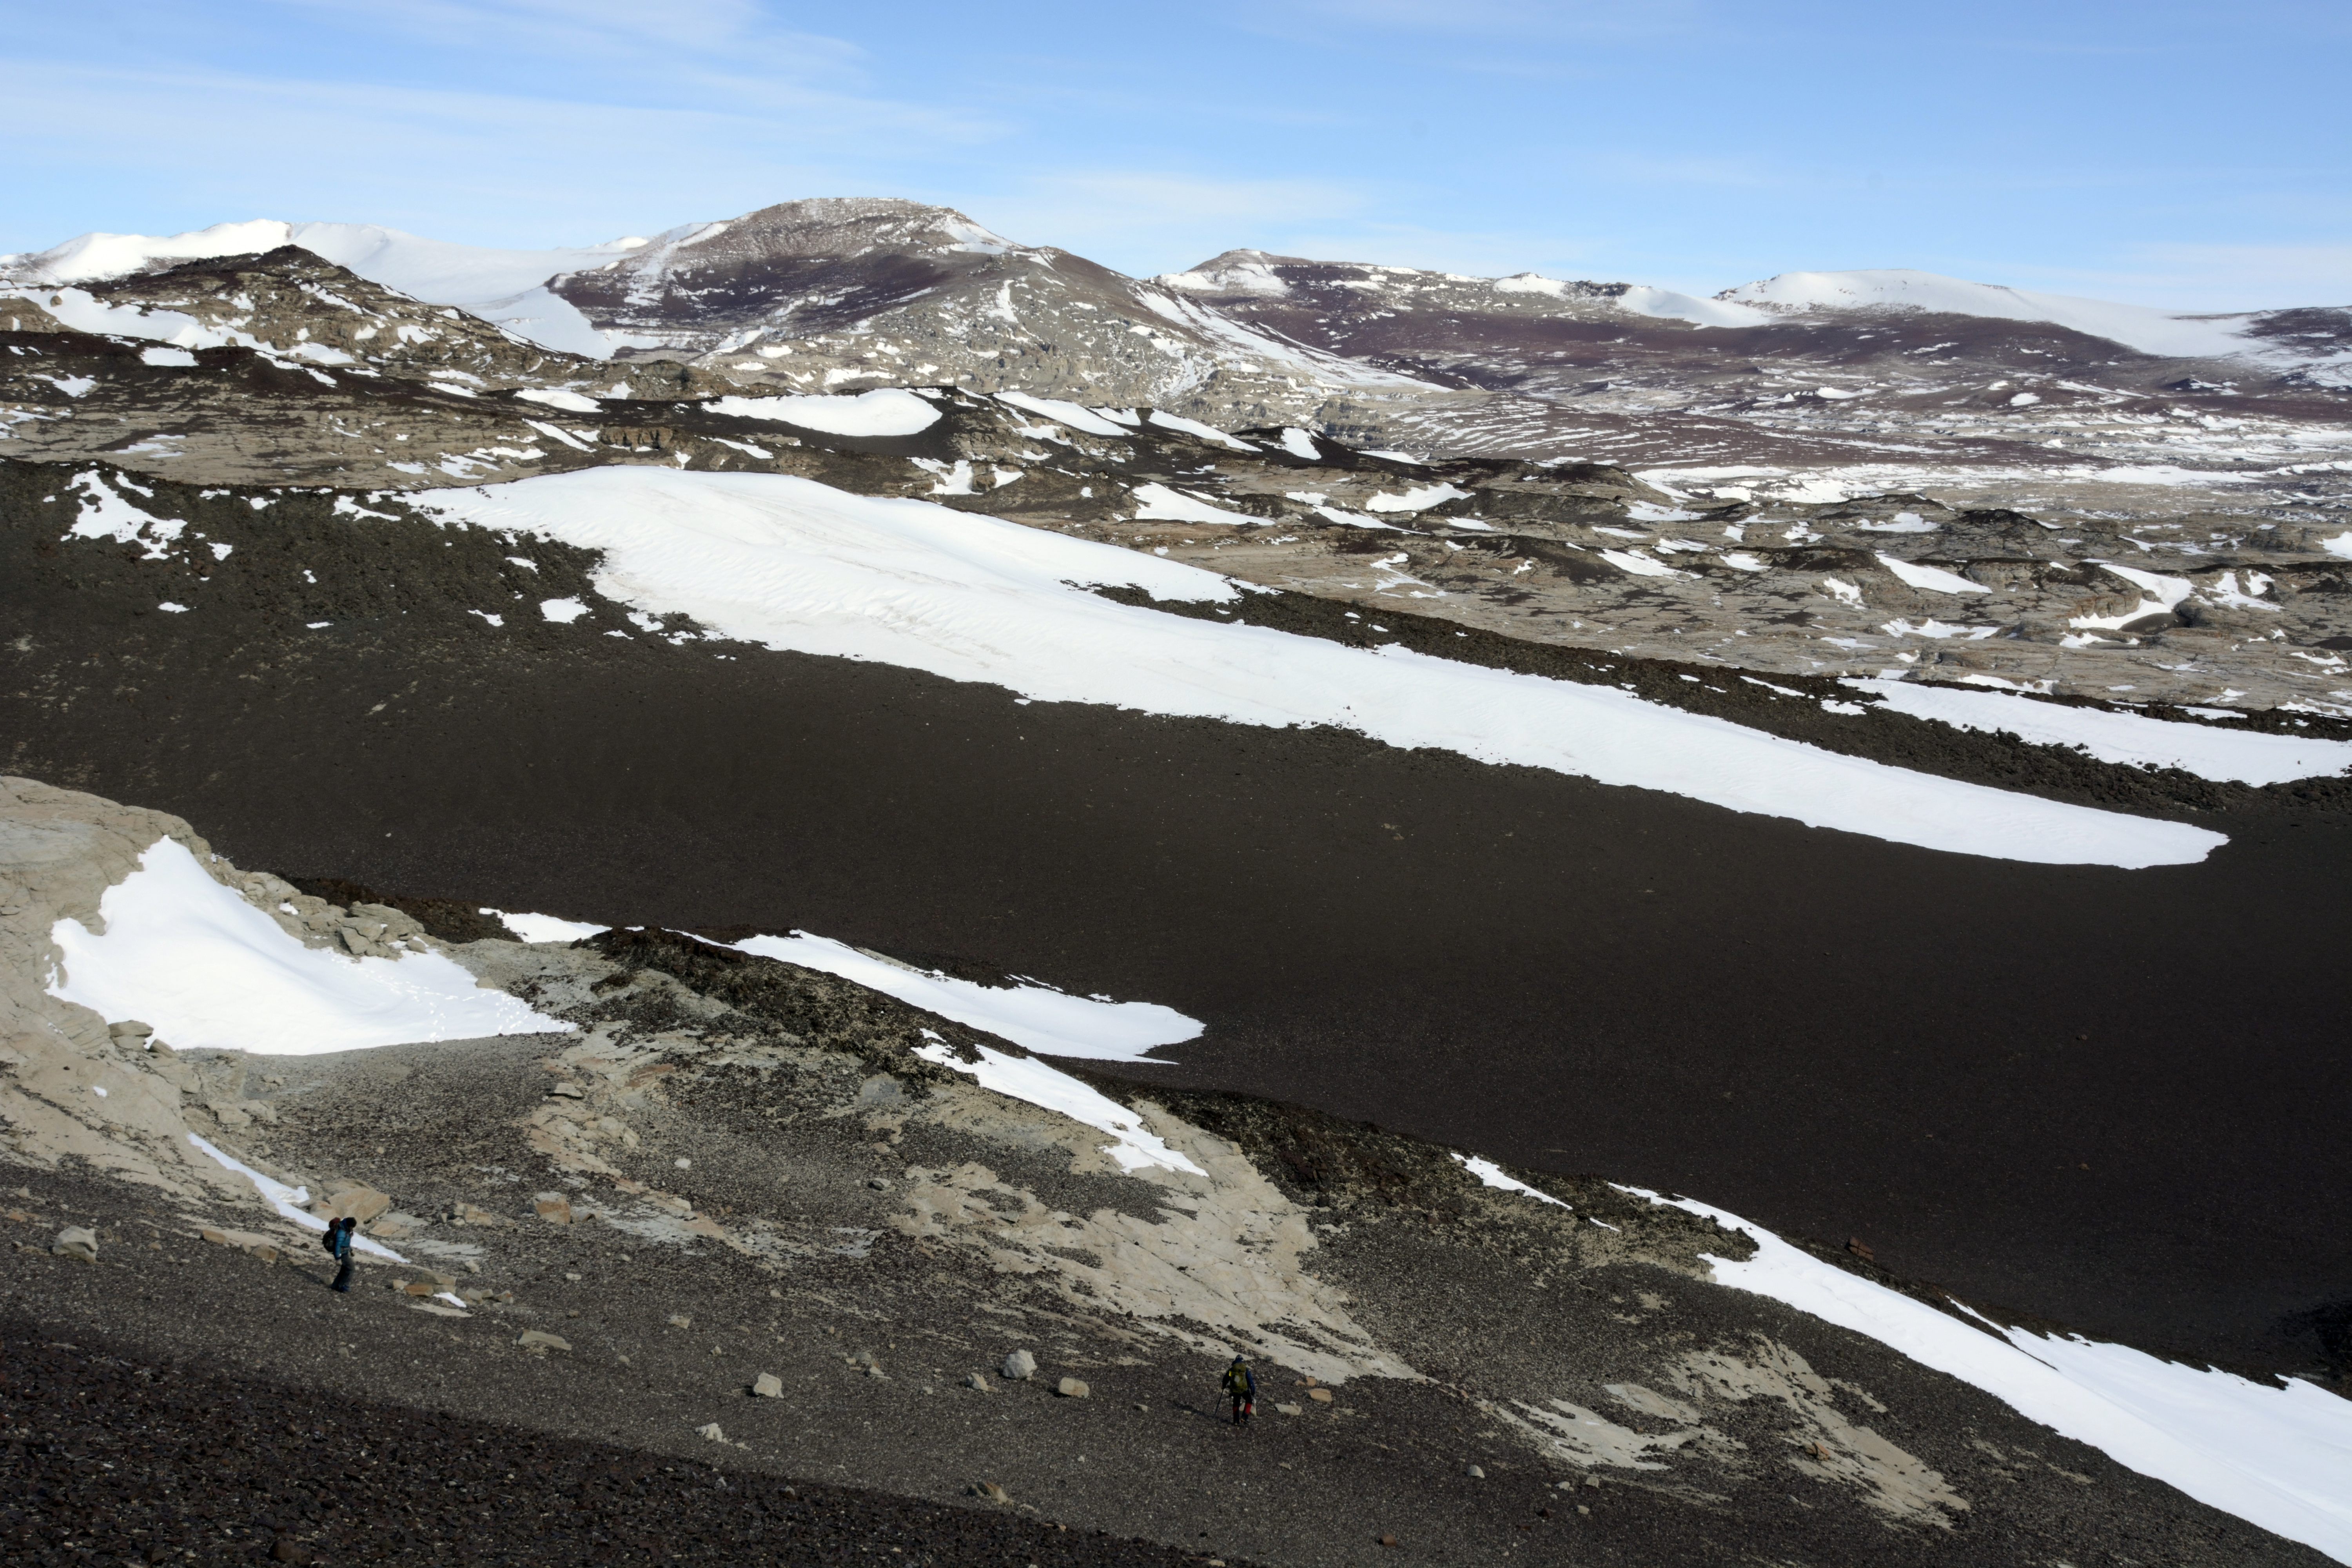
[[1808, 386]]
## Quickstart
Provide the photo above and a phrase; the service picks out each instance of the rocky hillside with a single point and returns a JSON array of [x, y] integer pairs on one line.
[[758, 1222]]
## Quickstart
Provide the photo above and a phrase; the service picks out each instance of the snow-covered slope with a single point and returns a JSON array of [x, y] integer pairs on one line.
[[2152, 332]]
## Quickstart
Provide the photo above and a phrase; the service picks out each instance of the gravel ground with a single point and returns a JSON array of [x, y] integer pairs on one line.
[[108, 1458]]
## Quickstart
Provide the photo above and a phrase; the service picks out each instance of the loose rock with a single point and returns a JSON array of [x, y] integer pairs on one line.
[[768, 1385], [990, 1491], [1071, 1388], [711, 1432], [1474, 1472], [974, 1380], [553, 1207], [1320, 1395], [76, 1242], [539, 1340], [1019, 1366], [1290, 1409]]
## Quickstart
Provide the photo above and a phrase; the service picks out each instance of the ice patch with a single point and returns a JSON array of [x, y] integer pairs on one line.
[[2273, 1457], [1069, 414], [2239, 756], [1161, 504], [885, 411], [1416, 499], [788, 562], [211, 973], [1160, 417], [289, 1201], [1489, 1173], [1929, 578], [555, 398], [1034, 1016], [1299, 443], [1027, 1079], [545, 928]]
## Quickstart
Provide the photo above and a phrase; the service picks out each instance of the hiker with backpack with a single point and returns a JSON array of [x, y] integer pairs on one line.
[[1242, 1388], [338, 1243]]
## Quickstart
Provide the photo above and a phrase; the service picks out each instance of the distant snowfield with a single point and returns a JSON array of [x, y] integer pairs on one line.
[[2152, 332], [2241, 757], [209, 971], [793, 565]]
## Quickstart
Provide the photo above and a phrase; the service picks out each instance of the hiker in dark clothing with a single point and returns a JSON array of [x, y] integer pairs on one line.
[[1242, 1390], [338, 1242]]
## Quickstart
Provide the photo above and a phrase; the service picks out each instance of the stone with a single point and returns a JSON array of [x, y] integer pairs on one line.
[[356, 1200], [768, 1385], [1582, 1509], [285, 1549], [974, 1380], [879, 1184], [1019, 1366], [1290, 1409], [1319, 1395], [568, 1091], [553, 1207], [129, 1030], [1071, 1388], [466, 1213], [988, 1489], [1385, 1540], [680, 1320], [1474, 1472], [540, 1341], [77, 1243], [711, 1432]]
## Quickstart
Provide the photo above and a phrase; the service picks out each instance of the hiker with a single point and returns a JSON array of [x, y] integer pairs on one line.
[[338, 1242], [1242, 1389]]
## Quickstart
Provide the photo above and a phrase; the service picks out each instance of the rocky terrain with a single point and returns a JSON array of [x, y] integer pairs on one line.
[[746, 1221], [1845, 749]]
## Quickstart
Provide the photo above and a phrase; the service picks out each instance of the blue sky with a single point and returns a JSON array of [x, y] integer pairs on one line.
[[2166, 154]]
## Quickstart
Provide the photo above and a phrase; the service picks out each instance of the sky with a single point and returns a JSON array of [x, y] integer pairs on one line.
[[2179, 154]]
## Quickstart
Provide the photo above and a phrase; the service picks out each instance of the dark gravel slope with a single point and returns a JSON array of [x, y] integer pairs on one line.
[[2114, 1099], [114, 1458]]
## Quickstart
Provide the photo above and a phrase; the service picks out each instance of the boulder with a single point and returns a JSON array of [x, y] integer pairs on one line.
[[768, 1385], [77, 1243], [356, 1200], [1071, 1388], [1019, 1366], [1319, 1395]]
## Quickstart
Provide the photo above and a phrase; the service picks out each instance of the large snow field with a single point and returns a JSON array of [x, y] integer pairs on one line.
[[2275, 1456], [793, 565], [208, 971], [2247, 757]]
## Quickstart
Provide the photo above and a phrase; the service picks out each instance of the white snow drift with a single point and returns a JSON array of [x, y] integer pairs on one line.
[[209, 971], [887, 411], [1036, 1016], [2240, 756], [791, 563], [1033, 1015], [1027, 1079], [2276, 1457]]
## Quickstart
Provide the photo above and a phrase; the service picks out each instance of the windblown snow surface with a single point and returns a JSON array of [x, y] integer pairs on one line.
[[208, 971], [794, 564]]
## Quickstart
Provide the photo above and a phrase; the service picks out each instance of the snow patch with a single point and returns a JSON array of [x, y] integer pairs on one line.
[[885, 411], [791, 563], [211, 973], [1027, 1079]]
